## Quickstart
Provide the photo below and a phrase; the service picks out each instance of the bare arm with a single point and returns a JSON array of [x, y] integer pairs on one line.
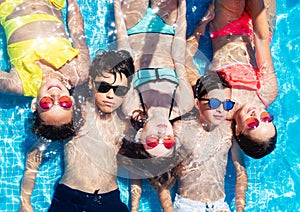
[[122, 36], [136, 190], [241, 184], [131, 102], [10, 82], [179, 40], [165, 200], [184, 94], [193, 44], [269, 88], [33, 161], [76, 30], [191, 49]]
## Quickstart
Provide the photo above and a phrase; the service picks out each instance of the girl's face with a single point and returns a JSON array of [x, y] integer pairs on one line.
[[157, 136], [254, 121], [54, 103], [110, 91], [208, 115]]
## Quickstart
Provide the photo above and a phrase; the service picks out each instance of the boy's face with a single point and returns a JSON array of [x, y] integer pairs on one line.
[[213, 116], [107, 98]]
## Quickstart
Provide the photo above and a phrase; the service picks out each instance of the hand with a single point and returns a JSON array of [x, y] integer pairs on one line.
[[25, 206], [239, 209]]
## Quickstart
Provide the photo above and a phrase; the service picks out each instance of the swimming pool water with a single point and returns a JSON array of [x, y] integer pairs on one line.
[[274, 181]]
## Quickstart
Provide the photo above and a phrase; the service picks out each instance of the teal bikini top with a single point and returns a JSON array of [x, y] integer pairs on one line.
[[154, 74], [151, 23]]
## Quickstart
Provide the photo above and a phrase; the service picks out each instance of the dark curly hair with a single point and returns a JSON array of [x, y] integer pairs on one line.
[[256, 149], [138, 119], [135, 150], [52, 132]]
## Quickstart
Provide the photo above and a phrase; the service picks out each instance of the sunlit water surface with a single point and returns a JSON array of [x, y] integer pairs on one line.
[[274, 181]]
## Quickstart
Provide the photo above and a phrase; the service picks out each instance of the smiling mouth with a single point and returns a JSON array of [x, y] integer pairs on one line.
[[54, 87]]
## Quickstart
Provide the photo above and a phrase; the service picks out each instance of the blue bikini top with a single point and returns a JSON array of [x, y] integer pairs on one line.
[[151, 23]]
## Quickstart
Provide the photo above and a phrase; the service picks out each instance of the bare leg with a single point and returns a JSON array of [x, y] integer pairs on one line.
[[136, 190]]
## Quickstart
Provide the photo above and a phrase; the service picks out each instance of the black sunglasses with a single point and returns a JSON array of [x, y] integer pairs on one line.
[[104, 87], [215, 103]]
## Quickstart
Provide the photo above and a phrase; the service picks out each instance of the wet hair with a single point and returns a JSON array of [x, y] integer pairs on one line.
[[64, 131], [207, 83], [52, 132], [163, 181], [112, 62], [256, 148], [133, 150], [138, 119]]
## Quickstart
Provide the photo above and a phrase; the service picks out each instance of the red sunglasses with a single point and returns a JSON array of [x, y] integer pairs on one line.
[[153, 140], [253, 122], [47, 102]]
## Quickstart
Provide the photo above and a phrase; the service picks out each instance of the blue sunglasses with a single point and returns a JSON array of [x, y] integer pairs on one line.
[[214, 103]]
